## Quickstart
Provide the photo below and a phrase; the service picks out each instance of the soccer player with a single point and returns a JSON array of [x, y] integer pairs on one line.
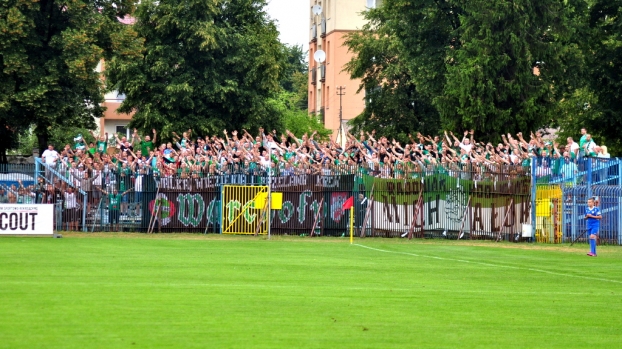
[[593, 217]]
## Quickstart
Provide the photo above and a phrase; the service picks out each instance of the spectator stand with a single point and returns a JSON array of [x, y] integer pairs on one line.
[[55, 193]]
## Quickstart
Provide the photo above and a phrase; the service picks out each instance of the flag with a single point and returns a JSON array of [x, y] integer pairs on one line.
[[349, 203]]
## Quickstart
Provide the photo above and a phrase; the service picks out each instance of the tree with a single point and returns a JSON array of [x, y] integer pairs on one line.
[[208, 65], [295, 63], [490, 80], [48, 54], [469, 61], [604, 55], [393, 101]]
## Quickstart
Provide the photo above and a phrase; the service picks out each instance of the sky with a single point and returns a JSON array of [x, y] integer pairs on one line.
[[292, 19]]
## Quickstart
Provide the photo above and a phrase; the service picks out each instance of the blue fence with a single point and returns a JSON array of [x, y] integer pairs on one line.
[[576, 182]]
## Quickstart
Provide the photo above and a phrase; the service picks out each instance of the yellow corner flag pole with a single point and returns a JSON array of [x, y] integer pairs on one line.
[[351, 224]]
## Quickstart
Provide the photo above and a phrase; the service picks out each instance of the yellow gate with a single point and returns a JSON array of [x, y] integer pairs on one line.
[[245, 209], [548, 214]]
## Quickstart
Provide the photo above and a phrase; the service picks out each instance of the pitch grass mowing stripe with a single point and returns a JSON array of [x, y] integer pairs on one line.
[[221, 292], [492, 265]]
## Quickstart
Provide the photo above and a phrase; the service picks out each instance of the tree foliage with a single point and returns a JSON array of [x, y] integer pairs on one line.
[[207, 64], [468, 62], [295, 63], [49, 50], [394, 102], [604, 63]]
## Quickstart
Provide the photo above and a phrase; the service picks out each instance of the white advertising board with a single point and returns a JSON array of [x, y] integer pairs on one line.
[[26, 219]]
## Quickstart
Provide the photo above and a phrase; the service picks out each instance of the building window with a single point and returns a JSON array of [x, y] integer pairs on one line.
[[114, 97], [374, 3], [122, 129]]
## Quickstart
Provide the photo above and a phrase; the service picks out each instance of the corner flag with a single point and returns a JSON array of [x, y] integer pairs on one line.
[[348, 206], [349, 203]]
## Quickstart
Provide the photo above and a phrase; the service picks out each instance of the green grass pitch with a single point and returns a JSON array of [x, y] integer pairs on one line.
[[196, 291]]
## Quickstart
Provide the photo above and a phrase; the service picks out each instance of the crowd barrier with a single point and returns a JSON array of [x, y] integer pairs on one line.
[[432, 205], [471, 203], [560, 192]]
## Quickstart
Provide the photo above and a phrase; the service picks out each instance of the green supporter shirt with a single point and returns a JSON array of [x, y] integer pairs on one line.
[[556, 166], [526, 162], [582, 142], [145, 147], [101, 146], [114, 201], [124, 174]]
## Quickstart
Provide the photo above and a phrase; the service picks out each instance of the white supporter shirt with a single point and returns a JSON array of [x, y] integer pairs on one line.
[[50, 156], [97, 177], [70, 200], [138, 183], [574, 148], [466, 147], [265, 162], [272, 145], [590, 147]]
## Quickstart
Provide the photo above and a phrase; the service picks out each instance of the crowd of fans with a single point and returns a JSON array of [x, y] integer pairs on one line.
[[113, 165], [187, 156]]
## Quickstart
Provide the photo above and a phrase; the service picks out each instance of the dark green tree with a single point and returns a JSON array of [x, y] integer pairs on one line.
[[490, 81], [393, 100], [604, 57], [295, 62], [208, 65], [471, 62], [49, 50]]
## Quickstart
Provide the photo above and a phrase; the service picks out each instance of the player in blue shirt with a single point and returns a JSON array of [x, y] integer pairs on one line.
[[593, 217]]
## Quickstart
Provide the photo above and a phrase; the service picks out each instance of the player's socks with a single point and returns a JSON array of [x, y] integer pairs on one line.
[[593, 246]]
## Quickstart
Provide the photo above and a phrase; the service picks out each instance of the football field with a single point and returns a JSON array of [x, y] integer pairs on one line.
[[198, 291]]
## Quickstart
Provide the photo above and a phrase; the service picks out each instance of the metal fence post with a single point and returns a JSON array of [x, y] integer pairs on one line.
[[563, 213], [619, 202], [533, 200], [37, 168], [589, 177], [84, 208], [574, 212], [222, 207]]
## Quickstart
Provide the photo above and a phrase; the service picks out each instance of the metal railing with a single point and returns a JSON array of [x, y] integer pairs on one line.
[[435, 205], [17, 184], [455, 201], [560, 192], [74, 204]]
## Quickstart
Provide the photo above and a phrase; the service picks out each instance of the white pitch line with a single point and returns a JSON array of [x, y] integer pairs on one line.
[[491, 265]]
